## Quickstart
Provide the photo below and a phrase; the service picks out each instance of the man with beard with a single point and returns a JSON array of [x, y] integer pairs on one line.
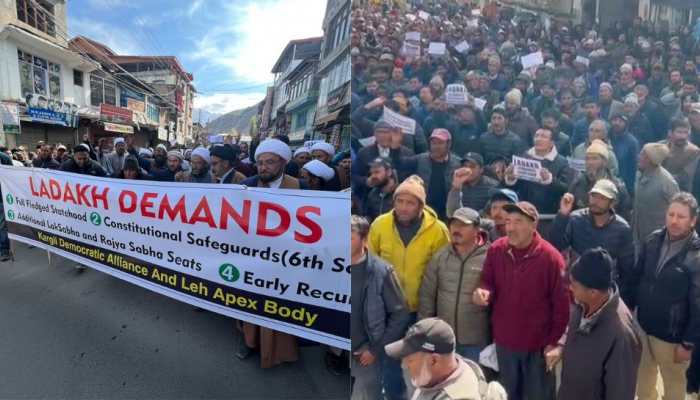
[[638, 123], [427, 353], [675, 83], [607, 104], [115, 160], [200, 161], [655, 188], [626, 83], [271, 158], [382, 181], [160, 160], [319, 176], [694, 120], [626, 149], [302, 155], [596, 226], [682, 161], [223, 160], [500, 142], [581, 127], [653, 111], [521, 266], [173, 165], [596, 167], [520, 121], [45, 160]]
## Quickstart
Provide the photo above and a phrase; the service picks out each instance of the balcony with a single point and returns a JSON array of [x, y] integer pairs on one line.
[[305, 98]]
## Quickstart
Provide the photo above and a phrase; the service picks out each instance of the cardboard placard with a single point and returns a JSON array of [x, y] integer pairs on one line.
[[437, 48], [532, 60], [463, 47], [407, 125], [527, 169]]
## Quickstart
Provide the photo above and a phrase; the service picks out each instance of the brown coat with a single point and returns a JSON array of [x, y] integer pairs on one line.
[[275, 347]]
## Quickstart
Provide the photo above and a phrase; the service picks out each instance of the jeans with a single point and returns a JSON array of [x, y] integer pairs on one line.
[[4, 240]]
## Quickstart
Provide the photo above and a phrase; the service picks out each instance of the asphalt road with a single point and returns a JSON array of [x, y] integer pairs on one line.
[[65, 335]]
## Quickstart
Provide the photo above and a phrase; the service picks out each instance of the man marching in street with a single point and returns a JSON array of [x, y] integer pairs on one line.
[[271, 158]]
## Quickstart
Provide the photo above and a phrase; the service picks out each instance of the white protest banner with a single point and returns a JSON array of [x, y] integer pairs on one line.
[[424, 15], [275, 258], [411, 49], [368, 141], [463, 47], [583, 60], [527, 169], [476, 12], [456, 93], [412, 36], [407, 125], [479, 103], [576, 164], [532, 60], [437, 48]]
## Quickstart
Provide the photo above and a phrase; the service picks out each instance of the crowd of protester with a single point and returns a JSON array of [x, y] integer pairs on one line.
[[270, 163], [532, 184]]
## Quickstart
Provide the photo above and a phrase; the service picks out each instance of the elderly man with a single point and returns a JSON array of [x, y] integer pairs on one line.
[[451, 277], [597, 130], [654, 190], [200, 162], [114, 162], [271, 158], [603, 345], [427, 353], [668, 300], [470, 187], [521, 266], [597, 226], [407, 238], [223, 160]]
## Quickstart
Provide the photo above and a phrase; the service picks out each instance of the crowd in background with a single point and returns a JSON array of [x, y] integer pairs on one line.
[[491, 151]]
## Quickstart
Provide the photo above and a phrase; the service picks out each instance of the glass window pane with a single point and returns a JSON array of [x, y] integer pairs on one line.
[[96, 94], [40, 62], [110, 93], [39, 80]]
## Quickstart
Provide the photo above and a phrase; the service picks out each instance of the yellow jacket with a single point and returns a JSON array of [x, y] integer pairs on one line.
[[410, 261]]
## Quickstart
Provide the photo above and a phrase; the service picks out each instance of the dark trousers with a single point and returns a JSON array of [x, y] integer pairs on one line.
[[392, 374], [524, 375], [693, 372], [4, 240]]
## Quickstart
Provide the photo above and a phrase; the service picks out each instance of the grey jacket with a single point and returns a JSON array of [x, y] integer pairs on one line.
[[114, 163], [653, 192], [446, 292]]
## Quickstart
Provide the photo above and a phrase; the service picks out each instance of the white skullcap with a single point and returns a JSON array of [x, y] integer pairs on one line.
[[203, 153], [320, 169], [119, 140], [145, 152], [162, 146], [274, 146], [176, 154], [302, 150], [325, 147]]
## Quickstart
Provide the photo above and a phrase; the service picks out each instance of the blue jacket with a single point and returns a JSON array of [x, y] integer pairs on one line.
[[626, 148]]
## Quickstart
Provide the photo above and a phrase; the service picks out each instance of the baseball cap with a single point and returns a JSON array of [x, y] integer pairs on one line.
[[442, 134], [523, 207], [431, 335], [473, 157], [467, 215], [504, 194], [606, 188]]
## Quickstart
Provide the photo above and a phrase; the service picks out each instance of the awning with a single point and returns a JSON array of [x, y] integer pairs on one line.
[[682, 4], [330, 117]]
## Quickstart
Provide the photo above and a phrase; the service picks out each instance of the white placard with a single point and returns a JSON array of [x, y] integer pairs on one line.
[[576, 164], [532, 60], [476, 12], [463, 46], [366, 142], [407, 125], [583, 60], [424, 15], [413, 36], [456, 94], [278, 258], [473, 23], [479, 103], [410, 17], [527, 169], [437, 48], [411, 49]]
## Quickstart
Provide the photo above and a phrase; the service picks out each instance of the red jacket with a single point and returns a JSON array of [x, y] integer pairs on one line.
[[529, 300]]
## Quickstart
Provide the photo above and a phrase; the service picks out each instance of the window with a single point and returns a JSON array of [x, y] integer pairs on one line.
[[39, 76], [102, 90], [38, 14], [301, 121], [77, 77]]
